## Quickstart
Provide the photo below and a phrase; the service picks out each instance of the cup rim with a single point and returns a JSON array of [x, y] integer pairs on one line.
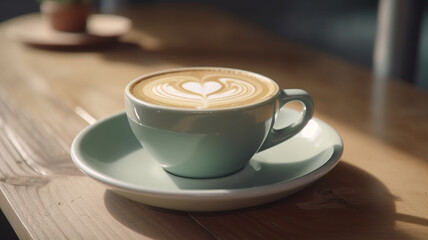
[[134, 99]]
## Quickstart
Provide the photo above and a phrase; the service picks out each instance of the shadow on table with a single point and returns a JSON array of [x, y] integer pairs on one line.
[[346, 203], [151, 222]]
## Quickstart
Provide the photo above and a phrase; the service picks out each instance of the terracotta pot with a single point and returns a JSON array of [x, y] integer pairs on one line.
[[69, 17]]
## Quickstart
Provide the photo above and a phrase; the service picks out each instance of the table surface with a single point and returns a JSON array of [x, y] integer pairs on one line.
[[379, 190]]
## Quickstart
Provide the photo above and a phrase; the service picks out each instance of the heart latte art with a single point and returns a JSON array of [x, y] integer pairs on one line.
[[204, 89]]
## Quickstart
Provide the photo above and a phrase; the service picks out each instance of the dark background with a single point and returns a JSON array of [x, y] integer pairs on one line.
[[345, 29]]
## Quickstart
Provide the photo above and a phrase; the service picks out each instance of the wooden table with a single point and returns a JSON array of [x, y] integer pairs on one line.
[[379, 190]]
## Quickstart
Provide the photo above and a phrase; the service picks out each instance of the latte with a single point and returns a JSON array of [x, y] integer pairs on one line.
[[204, 88]]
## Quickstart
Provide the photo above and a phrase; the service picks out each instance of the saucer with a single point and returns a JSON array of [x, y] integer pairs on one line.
[[108, 152], [101, 29]]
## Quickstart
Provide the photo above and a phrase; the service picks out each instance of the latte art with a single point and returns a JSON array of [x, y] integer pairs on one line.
[[203, 89], [192, 92]]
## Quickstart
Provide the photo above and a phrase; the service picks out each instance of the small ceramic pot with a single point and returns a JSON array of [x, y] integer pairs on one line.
[[68, 17]]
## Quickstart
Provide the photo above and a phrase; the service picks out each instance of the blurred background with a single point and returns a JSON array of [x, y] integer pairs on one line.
[[346, 29]]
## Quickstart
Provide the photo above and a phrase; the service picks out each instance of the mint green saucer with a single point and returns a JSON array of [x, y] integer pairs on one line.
[[108, 152]]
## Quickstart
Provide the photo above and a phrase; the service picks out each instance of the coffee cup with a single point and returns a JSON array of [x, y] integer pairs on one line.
[[207, 122]]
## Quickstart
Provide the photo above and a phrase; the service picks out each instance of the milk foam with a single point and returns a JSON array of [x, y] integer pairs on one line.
[[203, 89]]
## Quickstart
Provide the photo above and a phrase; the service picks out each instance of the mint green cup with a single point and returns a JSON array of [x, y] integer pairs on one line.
[[211, 143]]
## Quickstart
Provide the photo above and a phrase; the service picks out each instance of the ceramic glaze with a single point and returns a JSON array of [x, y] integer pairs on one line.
[[108, 152], [219, 139], [202, 155]]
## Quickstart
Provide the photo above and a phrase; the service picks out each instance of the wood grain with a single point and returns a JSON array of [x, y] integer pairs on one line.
[[378, 191]]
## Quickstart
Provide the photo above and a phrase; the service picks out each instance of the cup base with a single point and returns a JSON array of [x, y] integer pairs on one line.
[[208, 177], [198, 155]]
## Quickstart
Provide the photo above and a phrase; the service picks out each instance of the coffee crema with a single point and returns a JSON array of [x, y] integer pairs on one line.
[[204, 89]]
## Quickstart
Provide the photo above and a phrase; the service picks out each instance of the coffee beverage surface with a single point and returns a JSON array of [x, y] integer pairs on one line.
[[204, 89]]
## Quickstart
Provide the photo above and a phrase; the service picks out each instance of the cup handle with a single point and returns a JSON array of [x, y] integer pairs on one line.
[[277, 136]]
